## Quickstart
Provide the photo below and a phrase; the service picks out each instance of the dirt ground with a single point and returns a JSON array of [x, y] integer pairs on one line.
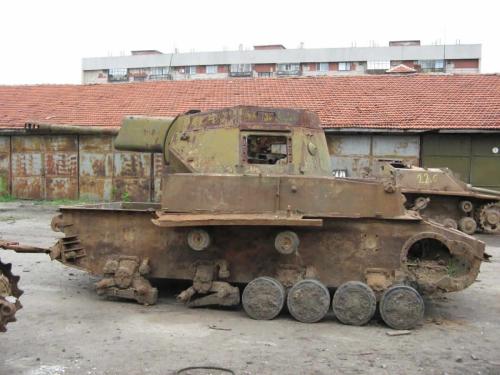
[[65, 328]]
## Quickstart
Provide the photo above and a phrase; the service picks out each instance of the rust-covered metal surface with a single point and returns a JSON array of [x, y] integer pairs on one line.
[[438, 194], [44, 167], [96, 167], [132, 176], [339, 251], [76, 166], [357, 155], [4, 165], [9, 291], [247, 198]]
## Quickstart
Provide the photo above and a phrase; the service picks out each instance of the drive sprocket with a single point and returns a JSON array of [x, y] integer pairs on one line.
[[488, 217], [9, 295]]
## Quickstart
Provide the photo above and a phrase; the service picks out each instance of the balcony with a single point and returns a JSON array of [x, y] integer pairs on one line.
[[117, 78], [160, 77], [241, 74], [287, 73]]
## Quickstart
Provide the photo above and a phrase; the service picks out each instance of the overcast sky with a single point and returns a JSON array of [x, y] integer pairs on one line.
[[44, 41]]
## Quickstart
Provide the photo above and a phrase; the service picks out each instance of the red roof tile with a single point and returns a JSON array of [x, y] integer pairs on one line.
[[415, 101], [401, 68]]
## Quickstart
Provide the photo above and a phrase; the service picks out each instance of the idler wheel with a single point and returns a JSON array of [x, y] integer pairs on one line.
[[308, 301], [467, 225], [489, 217], [401, 307], [466, 206], [287, 242], [263, 298], [198, 239], [450, 223], [354, 303]]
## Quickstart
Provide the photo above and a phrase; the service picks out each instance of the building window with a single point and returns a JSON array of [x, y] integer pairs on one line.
[[343, 66], [431, 65], [118, 74], [211, 69], [240, 70], [160, 73], [160, 70], [288, 69], [323, 67], [190, 70], [439, 64], [379, 65]]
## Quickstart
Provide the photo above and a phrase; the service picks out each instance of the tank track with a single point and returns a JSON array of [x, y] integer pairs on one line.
[[488, 217], [9, 296]]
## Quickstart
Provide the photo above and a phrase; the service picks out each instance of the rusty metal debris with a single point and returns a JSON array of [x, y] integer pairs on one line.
[[248, 200], [9, 291]]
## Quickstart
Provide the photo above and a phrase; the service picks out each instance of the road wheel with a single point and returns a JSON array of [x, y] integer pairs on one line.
[[467, 225], [401, 307], [466, 206], [354, 303], [308, 301], [287, 242], [198, 239], [263, 298]]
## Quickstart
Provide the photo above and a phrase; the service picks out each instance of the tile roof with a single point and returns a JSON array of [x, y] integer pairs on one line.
[[415, 101], [401, 68]]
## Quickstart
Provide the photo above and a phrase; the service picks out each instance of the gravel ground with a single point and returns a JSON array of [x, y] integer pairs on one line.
[[65, 328]]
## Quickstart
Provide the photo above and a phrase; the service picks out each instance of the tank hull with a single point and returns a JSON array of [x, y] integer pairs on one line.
[[339, 251]]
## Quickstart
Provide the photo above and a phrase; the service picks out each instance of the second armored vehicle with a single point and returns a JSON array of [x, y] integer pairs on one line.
[[438, 194]]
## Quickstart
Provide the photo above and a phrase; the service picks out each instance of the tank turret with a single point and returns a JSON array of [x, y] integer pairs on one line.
[[245, 140]]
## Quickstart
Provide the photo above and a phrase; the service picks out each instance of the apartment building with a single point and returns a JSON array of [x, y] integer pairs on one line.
[[278, 61]]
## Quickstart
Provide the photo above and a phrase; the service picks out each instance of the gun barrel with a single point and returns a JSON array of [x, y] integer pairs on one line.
[[9, 245], [143, 134], [485, 191]]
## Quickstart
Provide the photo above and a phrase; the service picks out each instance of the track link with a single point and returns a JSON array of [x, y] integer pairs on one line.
[[9, 296]]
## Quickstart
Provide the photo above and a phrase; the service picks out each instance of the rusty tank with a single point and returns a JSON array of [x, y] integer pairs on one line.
[[441, 196], [250, 214]]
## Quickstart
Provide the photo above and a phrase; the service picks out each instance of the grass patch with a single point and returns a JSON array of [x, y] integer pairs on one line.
[[7, 198], [453, 269], [63, 202]]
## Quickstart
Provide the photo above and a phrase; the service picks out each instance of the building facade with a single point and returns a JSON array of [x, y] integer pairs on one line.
[[277, 61]]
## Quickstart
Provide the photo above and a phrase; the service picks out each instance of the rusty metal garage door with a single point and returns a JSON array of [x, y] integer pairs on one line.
[[356, 155], [45, 167], [4, 165], [96, 167]]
